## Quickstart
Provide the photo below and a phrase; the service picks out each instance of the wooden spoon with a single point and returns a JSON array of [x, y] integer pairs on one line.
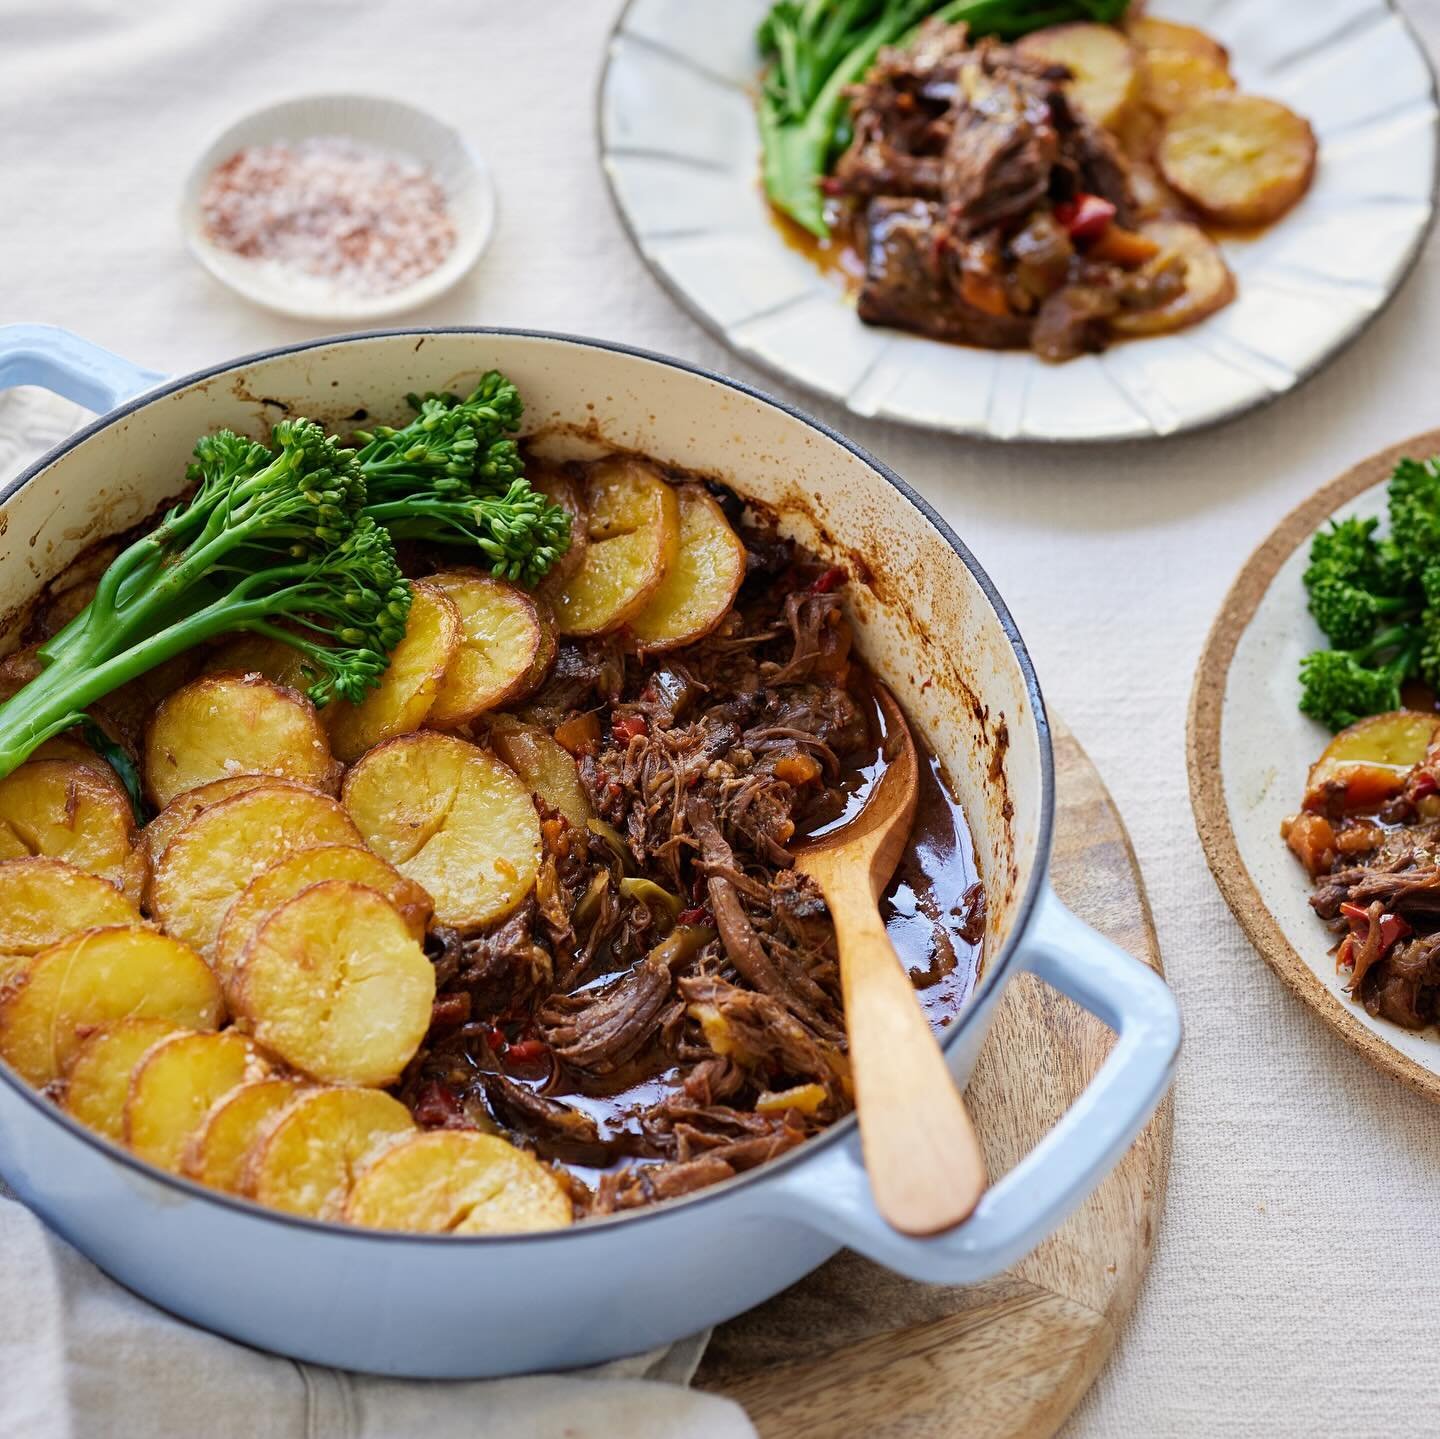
[[924, 1161]]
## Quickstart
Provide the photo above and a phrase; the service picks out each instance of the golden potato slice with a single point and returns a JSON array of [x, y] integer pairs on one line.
[[545, 766], [1173, 80], [272, 659], [337, 985], [548, 650], [219, 1150], [224, 725], [97, 1081], [296, 873], [1209, 285], [407, 690], [96, 978], [454, 819], [156, 836], [71, 747], [455, 1181], [42, 901], [632, 535], [210, 862], [307, 1162], [1147, 33], [1239, 159], [1369, 761], [501, 636], [64, 810], [176, 1085], [701, 586], [1105, 79], [561, 488]]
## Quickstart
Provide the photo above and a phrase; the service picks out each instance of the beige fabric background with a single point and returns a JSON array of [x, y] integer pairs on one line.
[[1293, 1292]]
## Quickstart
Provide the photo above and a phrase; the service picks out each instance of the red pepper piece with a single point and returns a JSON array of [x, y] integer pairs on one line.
[[627, 727], [1422, 785], [526, 1049], [1392, 926], [697, 914], [1086, 217], [832, 579], [438, 1106]]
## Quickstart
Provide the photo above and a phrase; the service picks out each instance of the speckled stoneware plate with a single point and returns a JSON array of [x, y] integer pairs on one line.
[[680, 147], [1250, 749]]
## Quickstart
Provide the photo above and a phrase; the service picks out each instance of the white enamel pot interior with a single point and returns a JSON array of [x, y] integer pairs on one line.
[[929, 622]]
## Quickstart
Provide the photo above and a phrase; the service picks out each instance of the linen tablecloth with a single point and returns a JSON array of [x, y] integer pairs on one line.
[[1293, 1291]]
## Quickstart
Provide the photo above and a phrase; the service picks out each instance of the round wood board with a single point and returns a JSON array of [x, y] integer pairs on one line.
[[1207, 784], [855, 1349]]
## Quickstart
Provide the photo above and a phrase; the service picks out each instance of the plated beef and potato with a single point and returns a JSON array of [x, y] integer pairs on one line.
[[502, 939], [1055, 193]]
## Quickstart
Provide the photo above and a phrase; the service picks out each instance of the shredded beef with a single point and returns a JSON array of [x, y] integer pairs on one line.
[[961, 159], [643, 1013]]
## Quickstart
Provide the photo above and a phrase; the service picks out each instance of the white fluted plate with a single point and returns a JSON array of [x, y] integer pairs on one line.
[[681, 150]]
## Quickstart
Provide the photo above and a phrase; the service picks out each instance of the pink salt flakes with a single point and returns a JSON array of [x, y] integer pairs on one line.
[[368, 220]]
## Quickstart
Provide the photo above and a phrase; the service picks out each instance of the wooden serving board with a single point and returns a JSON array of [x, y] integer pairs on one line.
[[854, 1349]]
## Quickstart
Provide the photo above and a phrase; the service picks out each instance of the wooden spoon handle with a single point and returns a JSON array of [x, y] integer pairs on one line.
[[926, 1169]]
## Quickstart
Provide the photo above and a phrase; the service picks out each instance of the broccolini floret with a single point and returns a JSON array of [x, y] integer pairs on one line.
[[1338, 687], [454, 476], [1352, 583]]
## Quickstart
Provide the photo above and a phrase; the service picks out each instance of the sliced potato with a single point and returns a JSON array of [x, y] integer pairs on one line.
[[561, 488], [1240, 159], [296, 873], [98, 977], [232, 724], [544, 765], [175, 1086], [306, 1163], [210, 862], [1105, 79], [548, 650], [42, 901], [406, 693], [701, 586], [1368, 762], [455, 1181], [632, 535], [501, 637], [1147, 33], [454, 819], [336, 984], [156, 835], [220, 1148], [1209, 285], [71, 747], [272, 659], [97, 1081], [64, 810], [1172, 80]]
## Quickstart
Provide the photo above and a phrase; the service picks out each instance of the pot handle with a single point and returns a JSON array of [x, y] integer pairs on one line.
[[1031, 1201], [67, 365]]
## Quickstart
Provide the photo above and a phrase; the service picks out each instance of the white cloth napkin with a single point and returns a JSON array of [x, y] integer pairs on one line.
[[82, 1358]]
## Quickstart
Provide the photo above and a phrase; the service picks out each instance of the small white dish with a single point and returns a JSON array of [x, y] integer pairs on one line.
[[373, 120], [680, 147]]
